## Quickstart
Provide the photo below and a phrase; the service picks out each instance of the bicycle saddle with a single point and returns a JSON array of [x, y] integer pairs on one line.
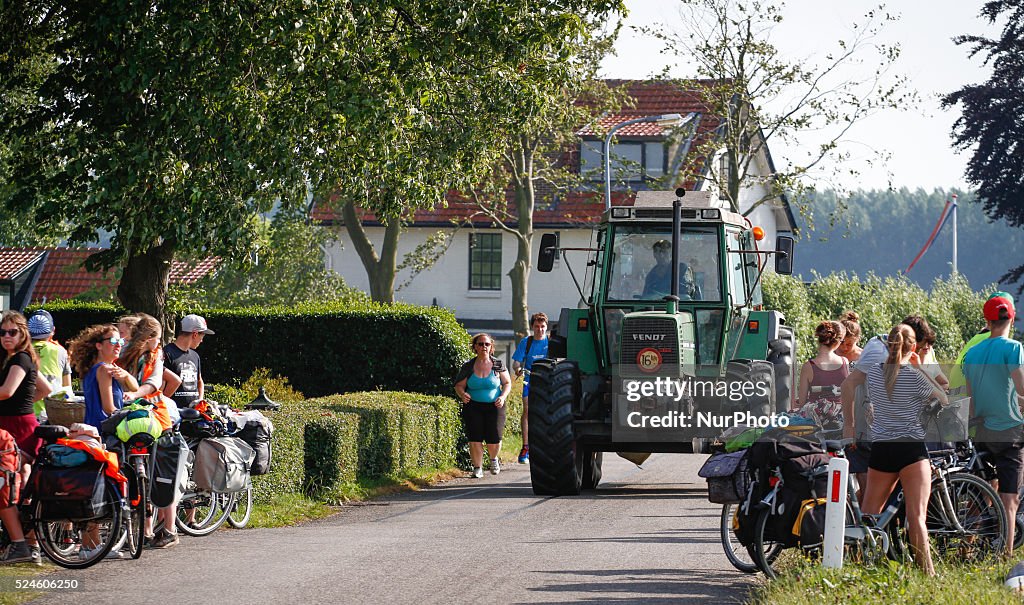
[[834, 445]]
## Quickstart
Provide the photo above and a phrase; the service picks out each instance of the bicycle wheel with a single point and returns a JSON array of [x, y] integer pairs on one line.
[[138, 505], [240, 509], [737, 554], [972, 524], [767, 552], [52, 534], [206, 512]]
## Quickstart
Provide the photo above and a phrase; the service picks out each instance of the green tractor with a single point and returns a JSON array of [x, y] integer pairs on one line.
[[672, 347]]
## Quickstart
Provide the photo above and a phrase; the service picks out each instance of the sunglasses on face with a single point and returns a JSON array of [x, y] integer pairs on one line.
[[11, 333], [483, 344], [114, 341]]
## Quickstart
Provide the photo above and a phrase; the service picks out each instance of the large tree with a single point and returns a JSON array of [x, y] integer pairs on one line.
[[990, 121], [534, 168], [537, 133], [169, 124], [760, 96]]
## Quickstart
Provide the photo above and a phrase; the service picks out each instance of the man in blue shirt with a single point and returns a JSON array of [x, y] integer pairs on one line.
[[994, 369], [530, 349]]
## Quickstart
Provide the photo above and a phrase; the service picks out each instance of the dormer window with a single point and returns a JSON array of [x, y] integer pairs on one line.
[[631, 162]]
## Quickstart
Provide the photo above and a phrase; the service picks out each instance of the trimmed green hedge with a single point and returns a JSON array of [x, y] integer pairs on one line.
[[290, 471], [329, 456], [400, 431], [322, 349], [321, 444]]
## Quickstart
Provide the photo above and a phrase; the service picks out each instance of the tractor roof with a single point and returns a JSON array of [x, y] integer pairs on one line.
[[658, 205]]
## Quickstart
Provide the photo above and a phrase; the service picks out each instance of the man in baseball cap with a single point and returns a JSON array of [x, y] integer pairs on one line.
[[181, 358], [195, 323], [994, 369]]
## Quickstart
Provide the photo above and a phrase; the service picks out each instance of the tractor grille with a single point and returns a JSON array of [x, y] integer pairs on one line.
[[645, 333]]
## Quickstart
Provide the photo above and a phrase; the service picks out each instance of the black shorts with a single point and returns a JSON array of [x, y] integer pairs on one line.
[[1007, 451], [859, 457], [894, 456], [483, 422]]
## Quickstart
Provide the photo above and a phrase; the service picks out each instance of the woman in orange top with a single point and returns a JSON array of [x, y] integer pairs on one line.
[[144, 358]]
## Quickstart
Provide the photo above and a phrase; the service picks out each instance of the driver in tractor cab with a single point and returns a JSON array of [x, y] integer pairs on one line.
[[656, 284]]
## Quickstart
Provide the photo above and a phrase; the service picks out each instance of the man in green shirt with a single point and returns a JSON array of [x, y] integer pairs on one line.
[[53, 358]]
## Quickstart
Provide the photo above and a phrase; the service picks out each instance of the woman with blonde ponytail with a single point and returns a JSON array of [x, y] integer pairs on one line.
[[898, 391]]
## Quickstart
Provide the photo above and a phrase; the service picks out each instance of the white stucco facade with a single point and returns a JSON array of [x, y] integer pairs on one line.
[[446, 283]]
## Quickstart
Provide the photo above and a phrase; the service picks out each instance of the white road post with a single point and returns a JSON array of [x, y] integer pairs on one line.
[[835, 512]]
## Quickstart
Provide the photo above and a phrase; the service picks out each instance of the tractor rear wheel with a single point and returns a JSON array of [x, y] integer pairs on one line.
[[555, 469]]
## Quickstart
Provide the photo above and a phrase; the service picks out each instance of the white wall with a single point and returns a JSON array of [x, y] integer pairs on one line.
[[447, 282]]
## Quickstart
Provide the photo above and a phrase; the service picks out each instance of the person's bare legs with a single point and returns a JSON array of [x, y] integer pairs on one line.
[[877, 490], [1011, 503], [492, 450], [476, 453], [12, 522], [916, 479]]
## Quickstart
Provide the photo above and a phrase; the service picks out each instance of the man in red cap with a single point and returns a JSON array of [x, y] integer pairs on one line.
[[994, 369]]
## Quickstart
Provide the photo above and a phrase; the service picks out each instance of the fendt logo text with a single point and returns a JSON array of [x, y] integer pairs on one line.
[[649, 337]]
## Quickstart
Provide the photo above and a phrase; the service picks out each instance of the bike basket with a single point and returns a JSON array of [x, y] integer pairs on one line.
[[727, 477], [950, 423], [65, 412]]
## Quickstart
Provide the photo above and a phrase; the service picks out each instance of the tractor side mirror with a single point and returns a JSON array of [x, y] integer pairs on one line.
[[784, 255], [548, 252]]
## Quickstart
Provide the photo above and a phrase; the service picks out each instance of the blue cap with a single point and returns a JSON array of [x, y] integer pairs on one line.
[[40, 325]]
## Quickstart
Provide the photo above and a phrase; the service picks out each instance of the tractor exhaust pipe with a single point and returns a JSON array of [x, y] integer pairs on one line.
[[677, 219]]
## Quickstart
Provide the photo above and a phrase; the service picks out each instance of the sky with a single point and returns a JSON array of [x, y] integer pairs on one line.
[[918, 138]]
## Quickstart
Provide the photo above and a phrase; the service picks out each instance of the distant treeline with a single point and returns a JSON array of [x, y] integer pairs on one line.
[[882, 231]]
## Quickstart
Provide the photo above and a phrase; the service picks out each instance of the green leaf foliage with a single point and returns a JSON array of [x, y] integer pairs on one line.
[[950, 306], [322, 348]]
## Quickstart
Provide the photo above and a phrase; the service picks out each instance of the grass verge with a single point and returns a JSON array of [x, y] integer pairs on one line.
[[807, 583]]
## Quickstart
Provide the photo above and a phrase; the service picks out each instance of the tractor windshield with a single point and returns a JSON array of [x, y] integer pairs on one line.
[[641, 264]]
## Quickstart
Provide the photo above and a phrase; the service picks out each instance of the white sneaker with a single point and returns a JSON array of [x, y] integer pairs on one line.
[[495, 466], [478, 472]]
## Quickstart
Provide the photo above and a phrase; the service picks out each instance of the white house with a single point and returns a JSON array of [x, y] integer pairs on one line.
[[471, 278]]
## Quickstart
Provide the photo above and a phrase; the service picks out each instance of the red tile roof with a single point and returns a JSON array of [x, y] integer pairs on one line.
[[582, 207], [64, 277], [189, 272], [13, 261]]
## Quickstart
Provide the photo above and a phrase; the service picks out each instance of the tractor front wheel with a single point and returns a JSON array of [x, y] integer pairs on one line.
[[554, 467]]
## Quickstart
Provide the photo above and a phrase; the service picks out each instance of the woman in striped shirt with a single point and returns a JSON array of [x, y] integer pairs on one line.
[[898, 391]]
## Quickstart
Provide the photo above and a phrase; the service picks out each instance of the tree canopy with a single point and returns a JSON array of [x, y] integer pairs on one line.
[[990, 122], [762, 96], [169, 124]]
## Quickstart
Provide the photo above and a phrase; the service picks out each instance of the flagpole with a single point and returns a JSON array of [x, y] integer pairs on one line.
[[954, 234]]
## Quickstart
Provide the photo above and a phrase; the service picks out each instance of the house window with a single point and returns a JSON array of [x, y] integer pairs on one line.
[[485, 261], [630, 161]]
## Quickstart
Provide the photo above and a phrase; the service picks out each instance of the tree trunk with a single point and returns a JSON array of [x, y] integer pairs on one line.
[[143, 285], [525, 196], [379, 270]]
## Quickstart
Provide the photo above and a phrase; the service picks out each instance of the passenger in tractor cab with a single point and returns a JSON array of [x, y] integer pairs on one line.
[[657, 284]]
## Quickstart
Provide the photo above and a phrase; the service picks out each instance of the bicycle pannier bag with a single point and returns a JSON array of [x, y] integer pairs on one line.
[[170, 469], [809, 527], [257, 432], [73, 494], [10, 463], [727, 477], [222, 464]]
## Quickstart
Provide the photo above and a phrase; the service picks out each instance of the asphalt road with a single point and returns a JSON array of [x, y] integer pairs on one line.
[[646, 534]]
